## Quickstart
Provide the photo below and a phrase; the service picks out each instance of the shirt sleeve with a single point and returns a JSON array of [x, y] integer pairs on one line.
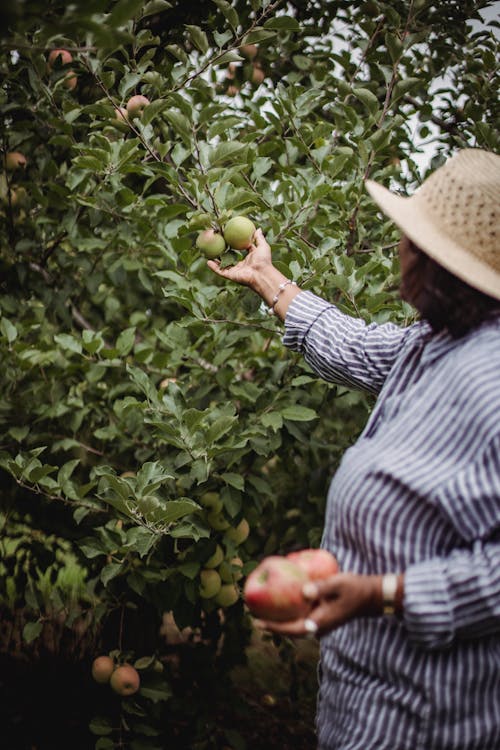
[[458, 596], [339, 348]]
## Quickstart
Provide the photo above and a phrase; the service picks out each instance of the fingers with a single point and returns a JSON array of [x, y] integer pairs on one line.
[[301, 628]]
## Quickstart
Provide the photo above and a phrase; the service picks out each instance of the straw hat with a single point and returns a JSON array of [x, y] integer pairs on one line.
[[454, 217]]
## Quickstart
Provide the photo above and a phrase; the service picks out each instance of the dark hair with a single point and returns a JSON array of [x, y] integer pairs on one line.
[[443, 299]]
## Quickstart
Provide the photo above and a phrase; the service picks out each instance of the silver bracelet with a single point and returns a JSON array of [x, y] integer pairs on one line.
[[281, 288], [389, 590]]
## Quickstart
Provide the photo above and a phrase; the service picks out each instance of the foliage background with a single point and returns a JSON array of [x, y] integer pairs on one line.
[[133, 380]]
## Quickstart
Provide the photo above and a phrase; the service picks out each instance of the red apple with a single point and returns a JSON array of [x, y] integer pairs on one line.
[[102, 668], [125, 680], [61, 56], [70, 80], [273, 590], [317, 563], [14, 160]]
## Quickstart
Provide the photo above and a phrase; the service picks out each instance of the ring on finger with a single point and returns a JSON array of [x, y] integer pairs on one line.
[[310, 627]]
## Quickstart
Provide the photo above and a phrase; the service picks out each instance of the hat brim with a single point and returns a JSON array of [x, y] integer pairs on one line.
[[415, 223]]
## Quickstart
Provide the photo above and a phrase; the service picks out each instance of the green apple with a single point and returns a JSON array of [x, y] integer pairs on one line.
[[228, 595], [239, 232], [125, 680], [215, 560], [210, 583], [230, 570], [211, 243], [121, 114], [102, 668], [239, 533], [217, 521], [136, 104], [212, 501]]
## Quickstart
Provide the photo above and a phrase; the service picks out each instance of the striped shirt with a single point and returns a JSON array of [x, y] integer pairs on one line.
[[418, 493]]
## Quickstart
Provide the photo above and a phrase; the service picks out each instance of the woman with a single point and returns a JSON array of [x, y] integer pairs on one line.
[[410, 630]]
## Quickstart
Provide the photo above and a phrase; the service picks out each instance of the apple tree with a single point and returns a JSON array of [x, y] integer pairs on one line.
[[150, 420]]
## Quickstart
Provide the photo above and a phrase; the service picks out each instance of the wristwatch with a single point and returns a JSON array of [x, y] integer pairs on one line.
[[389, 590]]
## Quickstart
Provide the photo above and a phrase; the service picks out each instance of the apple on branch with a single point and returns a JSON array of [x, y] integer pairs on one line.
[[125, 680], [14, 160], [211, 243], [239, 232], [60, 57], [136, 104], [102, 669]]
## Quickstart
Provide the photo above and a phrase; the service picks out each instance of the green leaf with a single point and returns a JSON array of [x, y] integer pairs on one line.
[[153, 109], [155, 6], [282, 23], [123, 11], [367, 97], [234, 480], [220, 427], [259, 35], [298, 413], [110, 571], [125, 341], [31, 631], [67, 470], [272, 419], [100, 725], [8, 330], [198, 37], [228, 12], [156, 693], [227, 151], [68, 342], [19, 433]]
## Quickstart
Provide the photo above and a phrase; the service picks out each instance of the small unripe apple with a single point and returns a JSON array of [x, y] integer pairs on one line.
[[239, 533], [125, 680], [218, 521], [212, 501], [239, 232], [317, 563], [228, 595], [136, 104], [257, 75], [14, 160], [249, 51], [210, 583], [121, 114], [211, 243], [215, 560], [273, 590], [102, 669], [230, 570], [18, 197], [60, 56]]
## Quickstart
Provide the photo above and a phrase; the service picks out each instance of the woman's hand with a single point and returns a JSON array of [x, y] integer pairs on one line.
[[249, 270], [335, 600]]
